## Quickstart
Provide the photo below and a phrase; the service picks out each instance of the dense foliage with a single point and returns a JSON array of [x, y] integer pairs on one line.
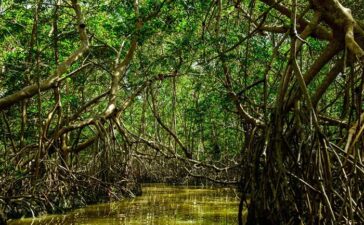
[[98, 96]]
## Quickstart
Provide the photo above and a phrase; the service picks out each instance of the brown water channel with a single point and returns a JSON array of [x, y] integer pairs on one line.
[[160, 205]]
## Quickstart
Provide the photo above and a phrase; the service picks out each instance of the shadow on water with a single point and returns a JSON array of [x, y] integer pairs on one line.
[[159, 205]]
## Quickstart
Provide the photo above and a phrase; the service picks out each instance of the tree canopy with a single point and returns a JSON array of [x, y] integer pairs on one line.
[[265, 95]]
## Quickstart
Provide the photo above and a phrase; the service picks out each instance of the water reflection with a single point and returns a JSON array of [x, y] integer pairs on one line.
[[159, 205]]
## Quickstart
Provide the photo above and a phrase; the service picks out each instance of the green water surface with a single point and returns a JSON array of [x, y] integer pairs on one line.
[[159, 205]]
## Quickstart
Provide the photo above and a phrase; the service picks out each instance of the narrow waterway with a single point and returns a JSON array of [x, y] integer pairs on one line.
[[159, 205]]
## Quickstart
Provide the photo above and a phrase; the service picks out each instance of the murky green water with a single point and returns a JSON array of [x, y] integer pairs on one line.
[[159, 205]]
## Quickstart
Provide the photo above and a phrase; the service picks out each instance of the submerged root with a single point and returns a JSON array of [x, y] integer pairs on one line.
[[59, 191], [303, 183]]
